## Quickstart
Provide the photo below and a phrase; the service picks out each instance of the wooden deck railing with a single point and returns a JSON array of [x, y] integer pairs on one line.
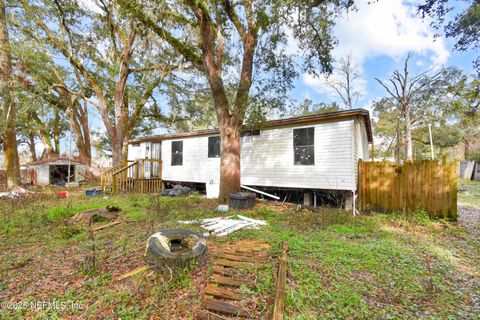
[[106, 176], [142, 176]]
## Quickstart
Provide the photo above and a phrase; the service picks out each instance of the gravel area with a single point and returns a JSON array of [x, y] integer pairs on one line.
[[469, 217]]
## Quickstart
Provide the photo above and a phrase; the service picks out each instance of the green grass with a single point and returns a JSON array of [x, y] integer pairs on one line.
[[339, 266], [469, 192]]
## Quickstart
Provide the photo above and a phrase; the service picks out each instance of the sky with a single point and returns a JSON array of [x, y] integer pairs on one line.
[[378, 37]]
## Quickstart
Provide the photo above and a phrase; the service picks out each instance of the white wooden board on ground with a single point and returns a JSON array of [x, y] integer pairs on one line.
[[469, 170], [225, 225]]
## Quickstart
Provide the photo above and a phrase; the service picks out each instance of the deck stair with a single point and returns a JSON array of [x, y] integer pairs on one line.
[[139, 176]]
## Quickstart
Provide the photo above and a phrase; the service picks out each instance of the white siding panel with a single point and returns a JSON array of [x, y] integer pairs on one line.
[[43, 175], [360, 145], [197, 167], [136, 151], [268, 159]]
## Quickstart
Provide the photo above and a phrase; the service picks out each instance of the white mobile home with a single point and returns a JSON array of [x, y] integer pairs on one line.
[[316, 152]]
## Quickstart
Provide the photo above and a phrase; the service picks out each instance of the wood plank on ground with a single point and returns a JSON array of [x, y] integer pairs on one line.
[[224, 308], [205, 315], [229, 271], [106, 226], [133, 272], [224, 293], [235, 257], [246, 253], [236, 264], [232, 282], [279, 305]]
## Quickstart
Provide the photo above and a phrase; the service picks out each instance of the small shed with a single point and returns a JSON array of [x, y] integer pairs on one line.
[[55, 171]]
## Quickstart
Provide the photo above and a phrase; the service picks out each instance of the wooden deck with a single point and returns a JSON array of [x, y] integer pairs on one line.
[[139, 176]]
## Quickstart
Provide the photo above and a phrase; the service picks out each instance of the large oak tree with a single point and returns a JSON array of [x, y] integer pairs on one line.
[[120, 65], [237, 45], [9, 108]]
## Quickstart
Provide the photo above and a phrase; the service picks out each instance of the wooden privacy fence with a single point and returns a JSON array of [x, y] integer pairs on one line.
[[425, 184]]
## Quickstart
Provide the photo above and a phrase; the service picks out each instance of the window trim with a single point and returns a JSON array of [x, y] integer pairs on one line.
[[173, 154], [214, 156], [304, 146], [250, 133]]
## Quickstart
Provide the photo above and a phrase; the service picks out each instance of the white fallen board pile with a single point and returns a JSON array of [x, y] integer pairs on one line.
[[225, 225]]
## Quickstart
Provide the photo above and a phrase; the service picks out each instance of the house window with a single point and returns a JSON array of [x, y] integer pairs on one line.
[[214, 147], [177, 153], [303, 146], [250, 133]]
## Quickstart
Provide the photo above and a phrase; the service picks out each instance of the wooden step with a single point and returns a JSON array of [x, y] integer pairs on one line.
[[236, 264], [224, 293], [225, 271], [224, 308], [232, 282], [235, 257], [248, 246], [205, 315], [259, 254]]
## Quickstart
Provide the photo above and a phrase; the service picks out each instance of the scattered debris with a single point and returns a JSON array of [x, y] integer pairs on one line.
[[94, 215], [87, 176], [16, 193], [177, 190], [113, 208], [93, 192], [175, 248], [279, 305], [62, 194], [225, 225], [260, 192], [73, 184], [232, 270], [106, 226], [133, 272], [222, 208]]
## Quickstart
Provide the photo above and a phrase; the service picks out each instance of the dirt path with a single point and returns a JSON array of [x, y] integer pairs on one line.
[[469, 217]]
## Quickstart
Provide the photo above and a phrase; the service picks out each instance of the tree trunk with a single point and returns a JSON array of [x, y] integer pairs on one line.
[[116, 149], [408, 136], [48, 151], [31, 145], [466, 148], [87, 150], [79, 120], [229, 159], [125, 150], [12, 164]]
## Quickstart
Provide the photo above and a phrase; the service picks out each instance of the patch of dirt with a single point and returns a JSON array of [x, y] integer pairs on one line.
[[469, 217]]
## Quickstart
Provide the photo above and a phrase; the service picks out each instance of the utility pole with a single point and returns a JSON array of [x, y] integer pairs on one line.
[[69, 154], [431, 141]]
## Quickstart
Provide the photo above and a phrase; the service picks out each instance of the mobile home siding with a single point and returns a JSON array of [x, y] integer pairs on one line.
[[268, 159], [196, 167], [360, 145]]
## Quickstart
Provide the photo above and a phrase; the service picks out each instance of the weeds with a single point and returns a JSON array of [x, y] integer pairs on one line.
[[381, 266]]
